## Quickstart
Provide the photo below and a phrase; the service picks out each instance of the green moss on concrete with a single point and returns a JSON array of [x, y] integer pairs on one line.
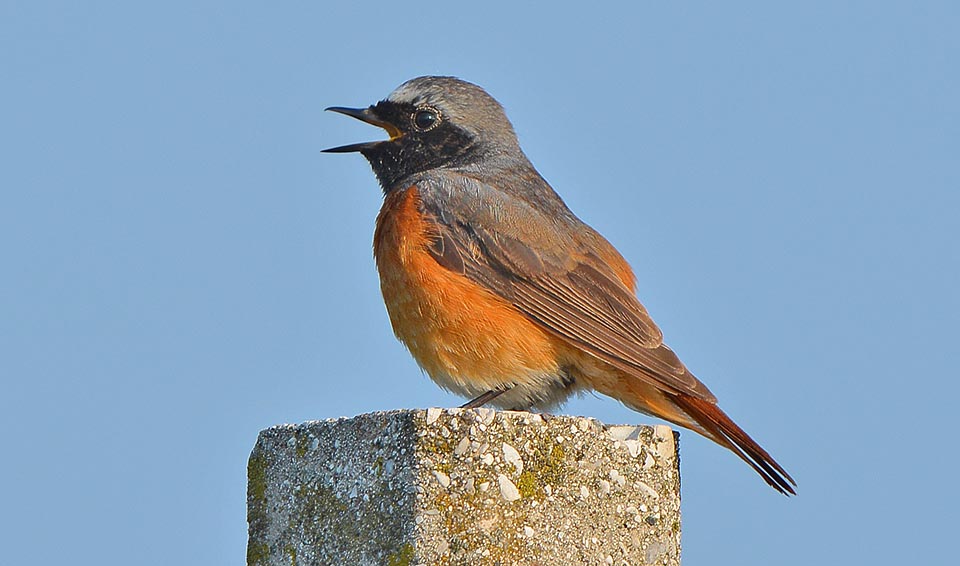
[[258, 554], [303, 443], [528, 485], [403, 557], [291, 552], [440, 449], [257, 511], [320, 512], [257, 477], [547, 465]]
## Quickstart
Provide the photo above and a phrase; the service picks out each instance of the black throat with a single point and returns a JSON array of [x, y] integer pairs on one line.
[[446, 145]]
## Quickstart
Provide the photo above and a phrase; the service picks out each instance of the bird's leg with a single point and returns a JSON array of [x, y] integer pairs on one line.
[[485, 398]]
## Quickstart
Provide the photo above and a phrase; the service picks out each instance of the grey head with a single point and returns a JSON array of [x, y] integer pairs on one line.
[[434, 122]]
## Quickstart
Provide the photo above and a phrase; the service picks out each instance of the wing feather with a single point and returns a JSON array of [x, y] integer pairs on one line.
[[562, 285]]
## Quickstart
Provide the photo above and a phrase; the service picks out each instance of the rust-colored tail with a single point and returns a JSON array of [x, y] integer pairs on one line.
[[725, 432]]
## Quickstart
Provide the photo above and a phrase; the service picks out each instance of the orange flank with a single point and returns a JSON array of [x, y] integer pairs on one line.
[[434, 312]]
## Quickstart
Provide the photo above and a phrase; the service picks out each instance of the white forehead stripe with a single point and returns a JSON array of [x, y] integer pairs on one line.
[[413, 92], [403, 93], [410, 95]]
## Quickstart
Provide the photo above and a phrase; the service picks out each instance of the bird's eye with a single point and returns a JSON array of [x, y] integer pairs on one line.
[[426, 119]]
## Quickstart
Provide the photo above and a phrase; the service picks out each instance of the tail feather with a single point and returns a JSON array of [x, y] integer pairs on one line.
[[724, 431]]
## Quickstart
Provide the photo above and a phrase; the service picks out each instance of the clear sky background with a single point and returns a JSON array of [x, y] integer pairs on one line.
[[181, 267]]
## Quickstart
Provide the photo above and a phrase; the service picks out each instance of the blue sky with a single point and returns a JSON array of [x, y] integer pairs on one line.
[[182, 267]]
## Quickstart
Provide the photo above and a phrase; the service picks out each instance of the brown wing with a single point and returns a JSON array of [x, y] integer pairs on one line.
[[560, 282]]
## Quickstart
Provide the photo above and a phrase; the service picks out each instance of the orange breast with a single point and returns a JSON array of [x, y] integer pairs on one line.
[[466, 338]]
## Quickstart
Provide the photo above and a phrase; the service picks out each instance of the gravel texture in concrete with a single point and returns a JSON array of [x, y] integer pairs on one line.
[[459, 487]]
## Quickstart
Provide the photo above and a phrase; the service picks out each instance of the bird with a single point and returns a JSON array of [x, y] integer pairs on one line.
[[499, 291]]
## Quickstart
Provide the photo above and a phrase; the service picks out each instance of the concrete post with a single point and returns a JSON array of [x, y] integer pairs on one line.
[[458, 487]]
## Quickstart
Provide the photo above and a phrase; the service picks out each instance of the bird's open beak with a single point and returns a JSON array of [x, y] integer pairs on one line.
[[369, 116]]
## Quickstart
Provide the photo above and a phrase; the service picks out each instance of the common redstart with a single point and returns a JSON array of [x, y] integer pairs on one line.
[[498, 290]]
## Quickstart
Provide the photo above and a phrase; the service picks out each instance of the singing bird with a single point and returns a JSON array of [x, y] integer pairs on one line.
[[498, 290]]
